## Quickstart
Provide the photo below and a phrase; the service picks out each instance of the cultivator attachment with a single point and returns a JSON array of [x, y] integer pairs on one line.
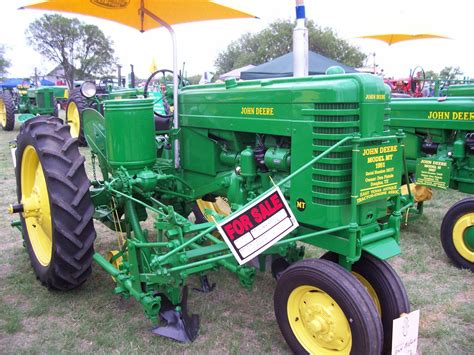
[[206, 287], [178, 324]]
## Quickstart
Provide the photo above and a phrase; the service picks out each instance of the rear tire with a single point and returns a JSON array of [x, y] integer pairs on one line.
[[7, 111], [53, 188], [384, 286], [322, 308], [457, 233], [74, 109]]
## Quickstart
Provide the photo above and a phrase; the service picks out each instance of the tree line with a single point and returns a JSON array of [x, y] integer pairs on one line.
[[84, 51]]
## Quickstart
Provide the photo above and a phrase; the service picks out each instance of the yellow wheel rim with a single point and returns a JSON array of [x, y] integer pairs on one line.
[[117, 262], [370, 289], [35, 200], [221, 207], [461, 231], [3, 114], [318, 322], [73, 119]]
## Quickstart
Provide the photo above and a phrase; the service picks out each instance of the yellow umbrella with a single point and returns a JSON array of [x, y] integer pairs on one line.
[[144, 15], [132, 12], [392, 38]]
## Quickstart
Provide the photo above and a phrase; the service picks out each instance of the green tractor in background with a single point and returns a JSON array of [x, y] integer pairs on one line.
[[29, 102], [89, 95], [439, 149]]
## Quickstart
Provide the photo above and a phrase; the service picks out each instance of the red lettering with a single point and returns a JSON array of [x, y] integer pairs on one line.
[[238, 227], [256, 215], [263, 210], [246, 222], [275, 198], [229, 231]]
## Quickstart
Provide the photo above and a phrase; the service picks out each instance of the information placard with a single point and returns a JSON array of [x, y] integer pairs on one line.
[[258, 226], [405, 334], [433, 173], [381, 166]]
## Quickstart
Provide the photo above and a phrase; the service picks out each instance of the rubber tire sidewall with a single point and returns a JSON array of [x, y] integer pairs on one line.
[[9, 110], [388, 286], [49, 275], [456, 211], [354, 301], [81, 104]]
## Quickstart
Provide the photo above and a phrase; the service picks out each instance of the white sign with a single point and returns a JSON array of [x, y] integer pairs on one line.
[[257, 227], [12, 145], [405, 334]]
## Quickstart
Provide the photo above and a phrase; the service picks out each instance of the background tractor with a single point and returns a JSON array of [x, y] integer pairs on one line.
[[440, 154], [28, 102], [321, 140], [159, 86]]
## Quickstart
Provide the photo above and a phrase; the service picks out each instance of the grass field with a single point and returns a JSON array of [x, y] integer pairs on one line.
[[233, 320]]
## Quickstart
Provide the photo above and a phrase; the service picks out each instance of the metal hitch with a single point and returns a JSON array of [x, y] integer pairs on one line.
[[178, 325]]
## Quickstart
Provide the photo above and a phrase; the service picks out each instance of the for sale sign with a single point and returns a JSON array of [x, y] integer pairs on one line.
[[258, 226]]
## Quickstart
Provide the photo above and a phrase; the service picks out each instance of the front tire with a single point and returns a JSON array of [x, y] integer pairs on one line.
[[7, 111], [74, 109], [53, 188], [384, 286], [321, 309], [457, 233]]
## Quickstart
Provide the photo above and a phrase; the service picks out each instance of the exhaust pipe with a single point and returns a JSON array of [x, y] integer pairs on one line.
[[300, 42]]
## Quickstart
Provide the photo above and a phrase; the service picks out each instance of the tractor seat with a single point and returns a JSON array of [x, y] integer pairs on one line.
[[162, 123]]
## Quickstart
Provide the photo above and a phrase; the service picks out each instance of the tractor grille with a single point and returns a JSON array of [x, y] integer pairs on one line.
[[332, 175], [40, 99]]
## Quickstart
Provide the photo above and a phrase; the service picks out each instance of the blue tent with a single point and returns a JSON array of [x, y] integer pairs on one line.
[[45, 82], [13, 83], [283, 67]]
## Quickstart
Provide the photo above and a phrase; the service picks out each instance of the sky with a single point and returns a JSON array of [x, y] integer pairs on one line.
[[199, 43]]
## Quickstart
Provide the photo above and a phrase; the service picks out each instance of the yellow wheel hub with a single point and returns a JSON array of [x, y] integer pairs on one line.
[[318, 322], [370, 289], [3, 114], [35, 201], [462, 236], [73, 119]]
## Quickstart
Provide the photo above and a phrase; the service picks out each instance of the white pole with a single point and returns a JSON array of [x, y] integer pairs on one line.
[[300, 42], [175, 81]]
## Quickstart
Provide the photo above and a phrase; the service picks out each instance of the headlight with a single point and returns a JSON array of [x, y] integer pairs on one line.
[[88, 89]]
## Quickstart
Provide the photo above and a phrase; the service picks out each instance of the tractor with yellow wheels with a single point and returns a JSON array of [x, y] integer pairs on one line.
[[440, 154], [28, 102], [89, 95], [235, 141], [294, 162]]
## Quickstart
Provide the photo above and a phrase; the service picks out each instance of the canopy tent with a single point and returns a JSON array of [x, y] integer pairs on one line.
[[283, 67], [236, 72], [13, 83], [45, 82]]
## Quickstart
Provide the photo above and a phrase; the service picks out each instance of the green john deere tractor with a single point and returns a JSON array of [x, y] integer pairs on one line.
[[321, 140], [440, 154], [28, 102], [90, 95]]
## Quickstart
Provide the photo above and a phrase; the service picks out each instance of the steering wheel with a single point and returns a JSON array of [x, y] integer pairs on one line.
[[417, 81], [102, 87], [161, 83]]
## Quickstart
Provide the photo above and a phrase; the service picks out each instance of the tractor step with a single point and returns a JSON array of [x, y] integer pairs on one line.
[[178, 324]]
